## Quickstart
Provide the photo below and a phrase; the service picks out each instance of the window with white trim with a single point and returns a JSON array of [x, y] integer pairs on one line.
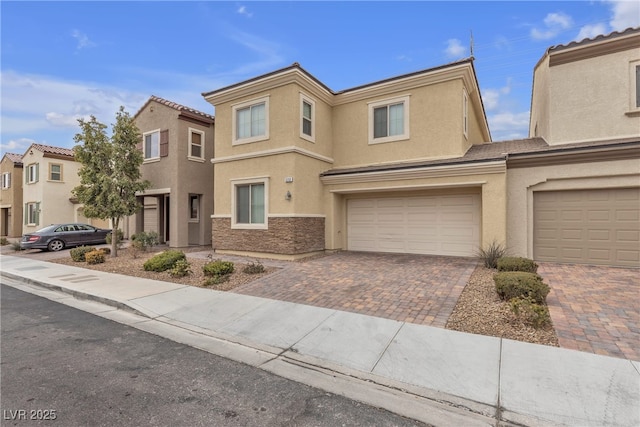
[[194, 207], [32, 173], [250, 203], [32, 213], [307, 118], [389, 120], [196, 144], [151, 145], [251, 121], [465, 114], [635, 85], [6, 180], [55, 172]]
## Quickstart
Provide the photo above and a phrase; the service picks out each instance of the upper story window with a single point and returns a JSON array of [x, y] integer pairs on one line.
[[250, 203], [196, 144], [634, 77], [389, 120], [307, 118], [151, 145], [251, 121], [55, 172], [465, 114], [6, 180], [32, 173], [638, 86]]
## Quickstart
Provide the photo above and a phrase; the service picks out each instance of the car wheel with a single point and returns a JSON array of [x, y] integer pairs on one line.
[[55, 245]]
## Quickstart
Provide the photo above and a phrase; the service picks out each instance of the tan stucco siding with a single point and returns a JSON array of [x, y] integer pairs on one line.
[[539, 119], [435, 127], [523, 182], [11, 199], [491, 186]]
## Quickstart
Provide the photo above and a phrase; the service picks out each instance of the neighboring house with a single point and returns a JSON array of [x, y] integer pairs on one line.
[[50, 173], [399, 165], [578, 199], [11, 195], [177, 145]]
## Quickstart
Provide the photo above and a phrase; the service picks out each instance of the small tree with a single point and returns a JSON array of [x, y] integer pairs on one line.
[[110, 173]]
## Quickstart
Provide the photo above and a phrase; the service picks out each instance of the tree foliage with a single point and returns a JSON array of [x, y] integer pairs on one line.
[[110, 173]]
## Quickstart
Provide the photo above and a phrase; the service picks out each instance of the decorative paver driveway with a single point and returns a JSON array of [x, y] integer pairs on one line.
[[595, 309], [410, 288]]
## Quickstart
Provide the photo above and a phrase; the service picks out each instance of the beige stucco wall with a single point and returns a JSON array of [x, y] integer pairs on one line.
[[586, 99], [11, 198], [523, 182], [490, 184], [179, 175], [53, 196]]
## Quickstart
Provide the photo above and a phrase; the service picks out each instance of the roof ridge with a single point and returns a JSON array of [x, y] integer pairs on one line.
[[179, 107]]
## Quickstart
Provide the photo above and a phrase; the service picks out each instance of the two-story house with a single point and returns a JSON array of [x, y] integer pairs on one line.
[[50, 174], [11, 195], [177, 145], [577, 200], [399, 165]]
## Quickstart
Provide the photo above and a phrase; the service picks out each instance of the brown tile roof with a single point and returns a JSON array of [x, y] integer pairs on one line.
[[495, 151], [15, 158], [176, 106], [56, 151], [596, 39]]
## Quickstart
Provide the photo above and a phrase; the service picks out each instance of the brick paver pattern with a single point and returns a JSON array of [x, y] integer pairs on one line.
[[595, 309], [418, 289]]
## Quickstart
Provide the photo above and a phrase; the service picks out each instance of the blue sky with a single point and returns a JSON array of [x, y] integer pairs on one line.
[[64, 60]]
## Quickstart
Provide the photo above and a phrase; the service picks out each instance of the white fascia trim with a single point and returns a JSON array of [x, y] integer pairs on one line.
[[499, 166], [222, 216], [153, 192], [410, 187], [272, 152], [295, 215]]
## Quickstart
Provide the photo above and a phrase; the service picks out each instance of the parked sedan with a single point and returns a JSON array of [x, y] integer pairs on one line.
[[59, 236]]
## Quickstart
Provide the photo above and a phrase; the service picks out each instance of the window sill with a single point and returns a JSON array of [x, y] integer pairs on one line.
[[249, 226], [194, 221], [250, 140], [632, 113], [195, 159], [152, 160], [389, 139]]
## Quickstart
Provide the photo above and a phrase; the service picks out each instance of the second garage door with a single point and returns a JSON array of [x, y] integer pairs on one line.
[[434, 225], [588, 226]]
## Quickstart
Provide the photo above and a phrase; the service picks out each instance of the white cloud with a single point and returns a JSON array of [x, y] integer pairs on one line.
[[242, 10], [626, 13], [267, 51], [83, 40], [506, 121], [554, 23], [17, 146], [491, 98], [591, 31], [455, 49]]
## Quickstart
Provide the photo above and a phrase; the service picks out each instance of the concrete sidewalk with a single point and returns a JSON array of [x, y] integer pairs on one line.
[[435, 375]]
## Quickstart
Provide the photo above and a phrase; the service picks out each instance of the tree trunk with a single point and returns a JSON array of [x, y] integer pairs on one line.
[[114, 237]]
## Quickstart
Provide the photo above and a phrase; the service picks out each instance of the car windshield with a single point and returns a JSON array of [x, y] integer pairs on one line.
[[46, 229]]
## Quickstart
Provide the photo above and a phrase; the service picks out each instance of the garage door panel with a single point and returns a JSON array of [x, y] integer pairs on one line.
[[599, 226], [444, 225]]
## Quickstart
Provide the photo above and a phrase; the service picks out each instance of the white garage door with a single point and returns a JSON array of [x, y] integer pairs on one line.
[[435, 225], [587, 226]]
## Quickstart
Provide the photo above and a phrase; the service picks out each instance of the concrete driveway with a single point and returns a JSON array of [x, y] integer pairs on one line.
[[594, 308], [410, 288]]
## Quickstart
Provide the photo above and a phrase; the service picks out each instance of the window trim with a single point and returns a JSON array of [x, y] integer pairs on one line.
[[634, 93], [465, 114], [234, 121], [193, 197], [35, 167], [50, 176], [6, 180], [305, 99], [190, 156], [235, 183], [144, 146], [387, 102]]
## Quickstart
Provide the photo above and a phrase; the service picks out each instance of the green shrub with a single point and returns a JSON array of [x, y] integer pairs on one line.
[[164, 260], [253, 268], [490, 254], [218, 268], [4, 241], [94, 257], [530, 312], [144, 241], [107, 251], [16, 246], [119, 238], [181, 268], [514, 284], [78, 254], [215, 280], [517, 264]]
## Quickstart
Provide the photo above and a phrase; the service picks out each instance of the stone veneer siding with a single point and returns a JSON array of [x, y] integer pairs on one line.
[[285, 235]]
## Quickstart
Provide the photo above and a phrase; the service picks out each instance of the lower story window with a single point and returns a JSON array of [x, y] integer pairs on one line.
[[250, 204], [194, 207], [31, 213]]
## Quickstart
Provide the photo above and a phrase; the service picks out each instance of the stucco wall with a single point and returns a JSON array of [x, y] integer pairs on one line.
[[523, 182], [11, 199]]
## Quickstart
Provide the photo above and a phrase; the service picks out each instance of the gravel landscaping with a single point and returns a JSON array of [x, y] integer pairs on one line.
[[478, 310]]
